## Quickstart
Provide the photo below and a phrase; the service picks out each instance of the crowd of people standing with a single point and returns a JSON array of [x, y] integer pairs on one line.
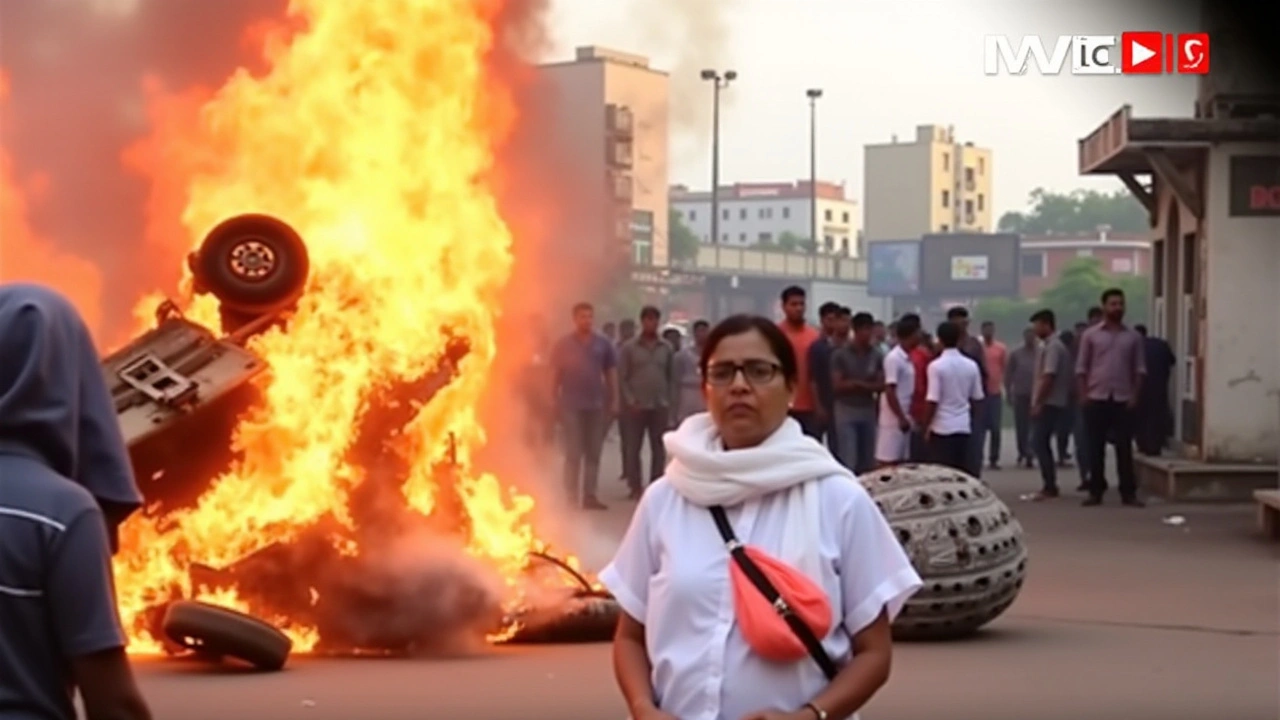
[[881, 393]]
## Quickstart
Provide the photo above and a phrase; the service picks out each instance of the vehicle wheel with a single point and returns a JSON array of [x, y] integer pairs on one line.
[[214, 631], [252, 264]]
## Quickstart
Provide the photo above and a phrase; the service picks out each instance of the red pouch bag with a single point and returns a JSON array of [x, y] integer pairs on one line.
[[782, 613]]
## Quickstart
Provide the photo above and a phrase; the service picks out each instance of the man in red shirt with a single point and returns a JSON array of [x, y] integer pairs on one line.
[[804, 407], [921, 355]]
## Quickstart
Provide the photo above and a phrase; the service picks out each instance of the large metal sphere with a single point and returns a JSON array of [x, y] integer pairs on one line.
[[962, 540]]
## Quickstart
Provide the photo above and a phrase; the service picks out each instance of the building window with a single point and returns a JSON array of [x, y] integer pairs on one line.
[[982, 166], [766, 237], [763, 213], [1084, 252], [981, 202], [724, 237], [829, 243], [946, 162], [968, 178], [742, 213], [693, 215], [641, 253], [1122, 266], [844, 246], [844, 217], [724, 214], [944, 228], [826, 214], [742, 238], [968, 208], [946, 198], [786, 213], [1033, 265]]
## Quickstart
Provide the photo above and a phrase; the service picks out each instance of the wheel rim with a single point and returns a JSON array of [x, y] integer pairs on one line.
[[252, 260]]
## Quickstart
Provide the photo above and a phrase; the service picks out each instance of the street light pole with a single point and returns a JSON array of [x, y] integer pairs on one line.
[[813, 94], [719, 81]]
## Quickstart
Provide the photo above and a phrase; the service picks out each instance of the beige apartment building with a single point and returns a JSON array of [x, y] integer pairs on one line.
[[933, 184], [611, 115]]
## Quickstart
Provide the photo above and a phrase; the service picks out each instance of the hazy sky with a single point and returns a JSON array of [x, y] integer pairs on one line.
[[885, 66]]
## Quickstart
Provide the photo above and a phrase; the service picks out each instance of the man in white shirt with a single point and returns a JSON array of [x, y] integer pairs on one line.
[[893, 441], [954, 391]]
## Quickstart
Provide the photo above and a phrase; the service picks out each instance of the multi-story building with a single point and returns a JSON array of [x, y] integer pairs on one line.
[[611, 111], [774, 214], [1043, 258], [933, 184]]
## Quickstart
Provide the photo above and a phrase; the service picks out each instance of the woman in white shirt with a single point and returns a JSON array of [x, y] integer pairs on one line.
[[680, 651]]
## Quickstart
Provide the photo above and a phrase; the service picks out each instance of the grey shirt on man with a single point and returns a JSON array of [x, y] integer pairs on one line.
[[646, 373], [865, 365], [1055, 360], [1111, 360], [1020, 371]]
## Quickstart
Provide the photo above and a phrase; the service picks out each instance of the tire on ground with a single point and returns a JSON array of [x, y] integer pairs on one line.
[[219, 632], [584, 620], [253, 264]]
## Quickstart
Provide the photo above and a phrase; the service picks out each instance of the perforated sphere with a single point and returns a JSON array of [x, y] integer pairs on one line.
[[963, 541]]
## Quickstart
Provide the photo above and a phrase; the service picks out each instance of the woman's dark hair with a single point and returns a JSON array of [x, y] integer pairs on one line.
[[742, 324]]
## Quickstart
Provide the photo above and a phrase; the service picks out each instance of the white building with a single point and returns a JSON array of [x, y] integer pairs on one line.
[[766, 213]]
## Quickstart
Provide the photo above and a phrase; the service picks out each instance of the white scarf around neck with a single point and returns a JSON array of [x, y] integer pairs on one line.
[[704, 473]]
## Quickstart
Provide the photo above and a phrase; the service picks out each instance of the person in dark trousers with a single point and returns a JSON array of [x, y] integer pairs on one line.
[[1155, 417], [65, 485], [857, 369], [1019, 384], [625, 331], [995, 357], [804, 406], [647, 385], [972, 348], [953, 399], [1083, 464], [820, 367], [584, 368], [1110, 371], [1051, 397]]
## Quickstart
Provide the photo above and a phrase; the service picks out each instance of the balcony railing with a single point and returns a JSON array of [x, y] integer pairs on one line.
[[727, 260]]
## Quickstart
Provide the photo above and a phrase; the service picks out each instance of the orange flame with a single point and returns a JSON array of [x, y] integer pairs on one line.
[[372, 132]]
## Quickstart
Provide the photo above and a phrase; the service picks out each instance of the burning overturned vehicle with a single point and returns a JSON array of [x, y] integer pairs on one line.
[[391, 560]]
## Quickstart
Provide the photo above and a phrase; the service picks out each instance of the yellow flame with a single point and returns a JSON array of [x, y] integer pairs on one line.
[[371, 133]]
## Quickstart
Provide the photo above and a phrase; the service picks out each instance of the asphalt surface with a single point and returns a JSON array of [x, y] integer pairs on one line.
[[1162, 612]]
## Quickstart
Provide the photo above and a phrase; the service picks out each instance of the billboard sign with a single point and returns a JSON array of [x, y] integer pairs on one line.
[[893, 268], [969, 265]]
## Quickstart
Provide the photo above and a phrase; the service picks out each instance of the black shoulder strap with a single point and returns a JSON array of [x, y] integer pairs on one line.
[[770, 593]]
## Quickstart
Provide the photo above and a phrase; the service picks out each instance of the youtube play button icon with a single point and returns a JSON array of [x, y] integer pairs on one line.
[[1142, 53]]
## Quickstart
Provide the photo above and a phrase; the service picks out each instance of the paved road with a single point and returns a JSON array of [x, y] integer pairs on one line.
[[1123, 615]]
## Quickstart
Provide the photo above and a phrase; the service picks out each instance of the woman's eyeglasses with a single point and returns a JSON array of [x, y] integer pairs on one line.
[[756, 372]]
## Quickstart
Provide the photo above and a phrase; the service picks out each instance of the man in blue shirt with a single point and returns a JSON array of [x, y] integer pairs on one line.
[[586, 390], [65, 484]]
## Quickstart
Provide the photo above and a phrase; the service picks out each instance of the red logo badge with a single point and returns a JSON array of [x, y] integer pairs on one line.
[[1142, 53], [1193, 53]]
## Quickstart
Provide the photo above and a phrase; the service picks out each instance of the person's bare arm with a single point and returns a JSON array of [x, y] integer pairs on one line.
[[866, 673], [107, 686], [632, 670]]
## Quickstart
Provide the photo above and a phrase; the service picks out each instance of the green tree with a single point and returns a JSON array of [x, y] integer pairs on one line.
[[1079, 287], [682, 243], [1080, 211]]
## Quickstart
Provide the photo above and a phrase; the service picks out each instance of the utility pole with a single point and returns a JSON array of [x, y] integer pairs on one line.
[[813, 94], [719, 81]]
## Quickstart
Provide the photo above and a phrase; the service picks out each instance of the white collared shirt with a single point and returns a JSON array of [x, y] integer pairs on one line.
[[954, 383], [899, 374], [671, 573]]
